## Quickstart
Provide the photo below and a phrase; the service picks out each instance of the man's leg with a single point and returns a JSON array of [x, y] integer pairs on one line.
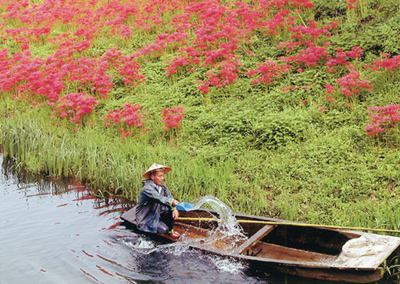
[[166, 218], [162, 228]]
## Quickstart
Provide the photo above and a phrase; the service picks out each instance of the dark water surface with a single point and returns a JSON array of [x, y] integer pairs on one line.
[[56, 232]]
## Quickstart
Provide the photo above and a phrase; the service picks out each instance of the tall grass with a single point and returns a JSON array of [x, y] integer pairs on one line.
[[296, 184], [111, 165]]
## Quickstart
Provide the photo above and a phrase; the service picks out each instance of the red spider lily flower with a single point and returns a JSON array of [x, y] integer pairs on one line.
[[204, 89], [383, 118], [340, 57], [268, 70], [76, 105], [329, 88], [351, 83], [63, 114], [130, 116], [310, 56], [172, 116], [372, 130], [387, 63]]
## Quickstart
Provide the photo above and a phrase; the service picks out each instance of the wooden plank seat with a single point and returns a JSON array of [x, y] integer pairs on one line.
[[248, 245]]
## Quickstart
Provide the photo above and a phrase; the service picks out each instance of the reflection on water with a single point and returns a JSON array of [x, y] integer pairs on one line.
[[57, 231]]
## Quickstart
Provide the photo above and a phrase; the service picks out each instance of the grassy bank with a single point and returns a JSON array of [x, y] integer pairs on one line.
[[324, 181], [286, 138]]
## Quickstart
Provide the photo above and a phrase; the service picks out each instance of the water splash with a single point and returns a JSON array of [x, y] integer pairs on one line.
[[226, 219], [229, 230], [228, 265], [139, 243]]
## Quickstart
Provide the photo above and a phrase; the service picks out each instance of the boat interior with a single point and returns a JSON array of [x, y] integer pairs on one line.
[[283, 242]]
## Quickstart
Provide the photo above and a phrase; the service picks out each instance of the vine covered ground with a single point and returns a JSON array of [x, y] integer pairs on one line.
[[282, 108]]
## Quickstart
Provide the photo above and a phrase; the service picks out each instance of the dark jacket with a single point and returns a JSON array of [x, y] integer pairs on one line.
[[150, 205]]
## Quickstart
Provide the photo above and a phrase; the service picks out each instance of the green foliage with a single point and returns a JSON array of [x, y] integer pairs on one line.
[[329, 9], [377, 31], [286, 154], [279, 129]]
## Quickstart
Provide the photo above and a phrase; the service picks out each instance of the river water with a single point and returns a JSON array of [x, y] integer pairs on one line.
[[57, 232]]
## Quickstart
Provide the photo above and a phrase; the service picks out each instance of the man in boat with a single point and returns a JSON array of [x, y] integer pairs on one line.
[[155, 211]]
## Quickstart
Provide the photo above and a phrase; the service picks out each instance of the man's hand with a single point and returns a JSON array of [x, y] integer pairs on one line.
[[175, 202], [175, 214]]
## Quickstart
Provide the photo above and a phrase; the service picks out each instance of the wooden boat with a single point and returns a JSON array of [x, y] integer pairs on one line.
[[292, 248]]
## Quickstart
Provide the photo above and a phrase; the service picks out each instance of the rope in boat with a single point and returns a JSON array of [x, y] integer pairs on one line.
[[293, 224]]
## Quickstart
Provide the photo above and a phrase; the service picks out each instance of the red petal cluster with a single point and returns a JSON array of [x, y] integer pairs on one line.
[[383, 118], [268, 70], [129, 115], [75, 105], [386, 63], [352, 84], [172, 116]]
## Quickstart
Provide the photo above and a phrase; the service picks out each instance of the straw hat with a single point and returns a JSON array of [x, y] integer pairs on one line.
[[155, 167]]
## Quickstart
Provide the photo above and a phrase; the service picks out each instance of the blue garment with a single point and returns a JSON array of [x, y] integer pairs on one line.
[[151, 205]]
